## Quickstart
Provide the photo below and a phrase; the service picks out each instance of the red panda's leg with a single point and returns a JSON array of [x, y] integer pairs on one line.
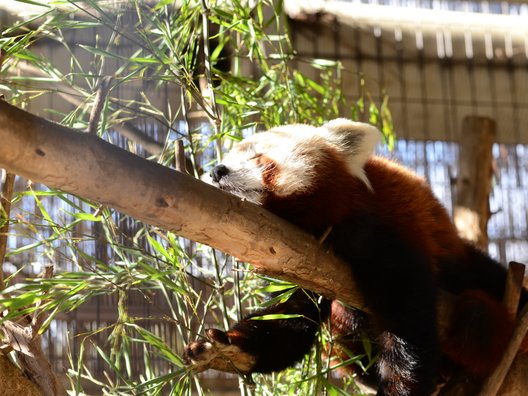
[[398, 286], [480, 334], [260, 344]]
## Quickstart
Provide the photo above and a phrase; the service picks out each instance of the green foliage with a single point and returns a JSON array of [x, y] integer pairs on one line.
[[99, 253]]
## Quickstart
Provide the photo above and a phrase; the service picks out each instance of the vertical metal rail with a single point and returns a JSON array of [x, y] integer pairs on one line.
[[337, 33], [359, 60], [424, 99], [400, 61], [446, 69], [379, 60]]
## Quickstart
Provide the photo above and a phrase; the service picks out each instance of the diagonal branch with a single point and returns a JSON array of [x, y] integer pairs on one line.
[[172, 200], [26, 341]]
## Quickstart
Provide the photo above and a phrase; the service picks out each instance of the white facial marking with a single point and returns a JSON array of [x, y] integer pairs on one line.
[[294, 150]]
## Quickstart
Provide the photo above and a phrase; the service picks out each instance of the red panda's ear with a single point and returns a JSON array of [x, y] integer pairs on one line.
[[356, 140]]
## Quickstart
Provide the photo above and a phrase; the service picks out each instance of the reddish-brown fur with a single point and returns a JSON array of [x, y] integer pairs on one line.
[[463, 346], [400, 244], [404, 200], [407, 202], [398, 197]]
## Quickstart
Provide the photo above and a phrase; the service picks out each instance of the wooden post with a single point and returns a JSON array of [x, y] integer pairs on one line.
[[514, 284], [473, 185]]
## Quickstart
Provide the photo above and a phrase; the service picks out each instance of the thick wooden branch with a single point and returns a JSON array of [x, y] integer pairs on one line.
[[494, 382], [83, 164]]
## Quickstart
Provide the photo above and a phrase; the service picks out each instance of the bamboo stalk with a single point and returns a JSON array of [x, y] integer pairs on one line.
[[8, 187], [99, 100], [179, 156]]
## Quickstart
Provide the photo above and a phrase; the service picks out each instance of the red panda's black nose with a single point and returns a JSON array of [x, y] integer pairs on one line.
[[218, 172]]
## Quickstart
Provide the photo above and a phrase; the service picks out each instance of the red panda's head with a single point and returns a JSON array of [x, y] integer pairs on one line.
[[289, 163]]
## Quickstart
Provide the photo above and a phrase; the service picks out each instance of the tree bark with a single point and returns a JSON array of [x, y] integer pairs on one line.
[[28, 346], [13, 382]]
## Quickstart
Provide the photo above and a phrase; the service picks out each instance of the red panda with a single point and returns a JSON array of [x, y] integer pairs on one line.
[[401, 247]]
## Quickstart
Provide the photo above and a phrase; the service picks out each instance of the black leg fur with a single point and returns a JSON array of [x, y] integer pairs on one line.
[[399, 288], [396, 282], [280, 343], [263, 345]]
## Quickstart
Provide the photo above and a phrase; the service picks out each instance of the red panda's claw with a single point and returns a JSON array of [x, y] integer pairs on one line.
[[217, 336], [198, 355], [217, 353]]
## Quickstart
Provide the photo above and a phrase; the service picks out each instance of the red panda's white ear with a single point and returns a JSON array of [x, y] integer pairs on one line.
[[356, 140]]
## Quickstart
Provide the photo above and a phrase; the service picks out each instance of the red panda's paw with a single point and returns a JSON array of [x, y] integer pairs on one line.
[[218, 353]]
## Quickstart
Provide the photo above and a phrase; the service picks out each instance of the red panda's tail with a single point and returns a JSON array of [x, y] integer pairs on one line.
[[479, 332]]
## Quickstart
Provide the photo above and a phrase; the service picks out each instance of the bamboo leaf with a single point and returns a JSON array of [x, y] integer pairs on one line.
[[276, 316]]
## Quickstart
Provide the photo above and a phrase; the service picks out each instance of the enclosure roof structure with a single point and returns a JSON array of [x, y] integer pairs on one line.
[[437, 65]]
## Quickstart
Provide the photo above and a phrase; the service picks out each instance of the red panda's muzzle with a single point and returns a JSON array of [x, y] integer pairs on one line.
[[218, 172]]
